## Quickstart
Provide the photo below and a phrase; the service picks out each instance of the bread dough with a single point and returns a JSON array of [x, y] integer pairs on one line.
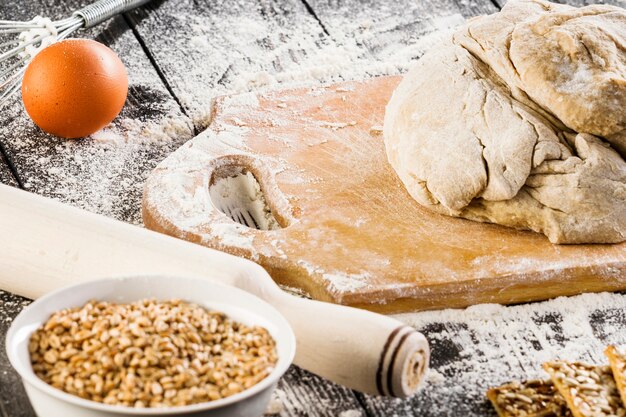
[[518, 119]]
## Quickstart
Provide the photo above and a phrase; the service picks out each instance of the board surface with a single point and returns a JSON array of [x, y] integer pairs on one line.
[[350, 233]]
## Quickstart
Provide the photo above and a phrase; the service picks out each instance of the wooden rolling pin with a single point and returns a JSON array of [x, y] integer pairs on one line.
[[47, 245]]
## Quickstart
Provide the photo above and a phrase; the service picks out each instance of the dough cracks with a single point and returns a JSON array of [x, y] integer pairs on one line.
[[518, 119]]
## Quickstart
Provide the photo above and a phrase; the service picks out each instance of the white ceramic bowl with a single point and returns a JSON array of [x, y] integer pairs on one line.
[[238, 304]]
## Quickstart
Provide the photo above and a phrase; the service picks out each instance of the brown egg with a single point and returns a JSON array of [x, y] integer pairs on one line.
[[74, 88]]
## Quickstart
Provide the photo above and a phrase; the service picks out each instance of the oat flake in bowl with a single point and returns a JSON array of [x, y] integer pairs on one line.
[[150, 353]]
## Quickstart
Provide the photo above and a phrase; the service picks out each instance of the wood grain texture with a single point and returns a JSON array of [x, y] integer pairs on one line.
[[351, 234], [102, 173], [204, 48], [13, 400], [301, 393], [387, 30], [6, 175], [243, 45]]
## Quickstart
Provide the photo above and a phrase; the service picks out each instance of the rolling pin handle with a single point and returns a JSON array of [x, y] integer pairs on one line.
[[362, 350], [403, 364]]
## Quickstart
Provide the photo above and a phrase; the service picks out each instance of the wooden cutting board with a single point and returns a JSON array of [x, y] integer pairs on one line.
[[350, 233]]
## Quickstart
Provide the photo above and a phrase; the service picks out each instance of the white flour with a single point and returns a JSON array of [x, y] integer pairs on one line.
[[233, 50], [345, 59], [347, 283], [487, 345], [274, 407]]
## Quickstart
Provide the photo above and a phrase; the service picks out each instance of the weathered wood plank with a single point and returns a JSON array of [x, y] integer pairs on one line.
[[13, 401], [6, 175], [394, 33], [301, 393], [208, 48], [103, 173]]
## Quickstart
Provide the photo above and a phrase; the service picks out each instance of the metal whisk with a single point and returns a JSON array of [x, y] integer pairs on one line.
[[32, 36]]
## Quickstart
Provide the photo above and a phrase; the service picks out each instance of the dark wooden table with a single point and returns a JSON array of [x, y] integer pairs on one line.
[[182, 53]]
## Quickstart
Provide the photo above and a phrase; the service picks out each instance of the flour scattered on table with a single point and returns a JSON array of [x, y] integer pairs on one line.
[[345, 58], [142, 132], [434, 377], [103, 173], [260, 47], [275, 405], [487, 345]]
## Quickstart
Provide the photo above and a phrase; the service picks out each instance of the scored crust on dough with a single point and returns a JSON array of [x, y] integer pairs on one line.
[[617, 361], [474, 131], [536, 398], [589, 390]]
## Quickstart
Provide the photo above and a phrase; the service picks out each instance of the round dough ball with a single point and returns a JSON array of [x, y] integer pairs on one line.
[[476, 131]]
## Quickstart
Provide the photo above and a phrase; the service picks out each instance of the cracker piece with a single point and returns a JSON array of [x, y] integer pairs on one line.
[[536, 398], [617, 360], [589, 390]]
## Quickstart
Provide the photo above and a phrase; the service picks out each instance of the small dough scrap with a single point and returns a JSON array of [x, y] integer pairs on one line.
[[517, 119]]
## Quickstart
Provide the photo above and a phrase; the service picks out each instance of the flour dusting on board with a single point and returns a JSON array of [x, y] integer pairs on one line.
[[268, 132], [347, 283], [233, 234]]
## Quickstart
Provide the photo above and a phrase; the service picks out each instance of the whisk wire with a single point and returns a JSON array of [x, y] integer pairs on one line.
[[19, 25], [20, 48], [71, 28]]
